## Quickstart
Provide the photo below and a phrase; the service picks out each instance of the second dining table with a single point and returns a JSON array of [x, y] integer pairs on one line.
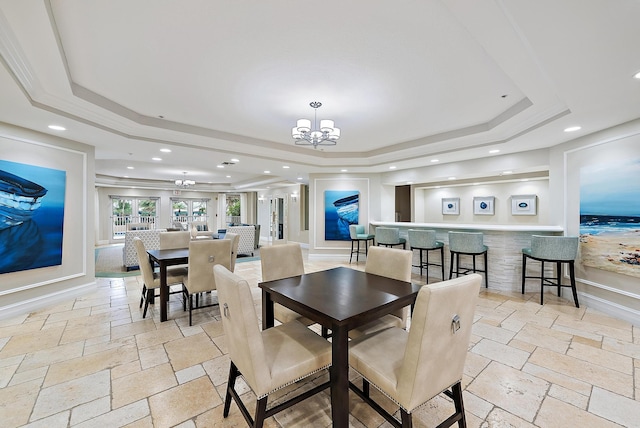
[[164, 259], [340, 299]]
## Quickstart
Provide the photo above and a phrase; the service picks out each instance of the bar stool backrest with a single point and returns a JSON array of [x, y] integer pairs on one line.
[[422, 238], [466, 242], [355, 230], [554, 247], [387, 235]]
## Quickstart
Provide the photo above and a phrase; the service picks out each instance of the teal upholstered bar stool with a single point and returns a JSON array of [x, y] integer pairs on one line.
[[358, 234], [389, 237], [469, 244], [425, 241], [553, 249]]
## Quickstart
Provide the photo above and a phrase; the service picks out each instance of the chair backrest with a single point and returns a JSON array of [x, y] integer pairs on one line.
[[554, 247], [281, 261], [466, 242], [144, 263], [387, 235], [240, 324], [422, 238], [204, 254], [436, 347], [392, 263], [235, 241], [355, 230], [173, 240]]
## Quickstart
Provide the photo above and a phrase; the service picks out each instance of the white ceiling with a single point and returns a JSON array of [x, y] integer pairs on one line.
[[405, 81]]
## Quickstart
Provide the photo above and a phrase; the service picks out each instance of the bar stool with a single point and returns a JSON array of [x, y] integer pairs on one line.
[[357, 233], [425, 241], [470, 244], [553, 249], [390, 237]]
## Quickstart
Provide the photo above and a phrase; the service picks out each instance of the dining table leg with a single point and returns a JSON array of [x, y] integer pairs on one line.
[[267, 310], [339, 374], [164, 292]]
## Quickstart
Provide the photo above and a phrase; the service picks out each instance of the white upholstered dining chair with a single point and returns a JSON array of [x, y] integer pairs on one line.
[[392, 263], [152, 279], [268, 360], [413, 367]]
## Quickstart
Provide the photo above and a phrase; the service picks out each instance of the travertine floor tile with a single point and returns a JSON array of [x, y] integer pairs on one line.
[[555, 413], [614, 407], [136, 386], [191, 350]]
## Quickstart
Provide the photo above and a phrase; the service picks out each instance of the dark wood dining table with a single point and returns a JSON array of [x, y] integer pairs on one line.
[[164, 259], [340, 299]]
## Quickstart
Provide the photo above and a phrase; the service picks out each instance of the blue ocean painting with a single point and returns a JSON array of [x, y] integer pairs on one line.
[[610, 216], [341, 208], [31, 216]]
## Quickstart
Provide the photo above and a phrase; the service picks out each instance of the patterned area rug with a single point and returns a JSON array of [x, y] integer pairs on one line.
[[109, 262]]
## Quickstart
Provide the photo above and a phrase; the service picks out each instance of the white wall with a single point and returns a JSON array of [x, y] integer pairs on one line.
[[428, 203], [28, 290]]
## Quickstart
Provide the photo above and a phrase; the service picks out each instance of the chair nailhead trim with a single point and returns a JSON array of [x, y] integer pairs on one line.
[[293, 381]]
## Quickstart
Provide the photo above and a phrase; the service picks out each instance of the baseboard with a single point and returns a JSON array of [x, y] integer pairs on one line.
[[36, 303], [609, 308]]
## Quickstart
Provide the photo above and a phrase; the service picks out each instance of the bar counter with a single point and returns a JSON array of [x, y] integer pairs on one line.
[[505, 244]]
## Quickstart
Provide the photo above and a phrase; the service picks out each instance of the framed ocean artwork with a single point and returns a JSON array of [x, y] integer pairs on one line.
[[483, 205], [523, 204], [341, 208], [451, 206], [31, 216], [610, 216]]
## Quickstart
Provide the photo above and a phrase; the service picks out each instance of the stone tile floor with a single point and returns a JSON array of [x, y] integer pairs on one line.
[[94, 362]]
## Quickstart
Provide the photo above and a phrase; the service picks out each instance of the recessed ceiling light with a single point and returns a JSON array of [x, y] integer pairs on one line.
[[228, 176], [507, 172], [392, 167], [165, 150], [57, 128], [494, 151], [219, 166], [451, 178], [344, 170], [125, 176], [285, 167], [409, 182], [156, 159], [475, 184], [235, 160], [130, 167], [525, 179], [435, 160], [437, 187], [572, 128], [637, 75], [299, 178], [267, 172]]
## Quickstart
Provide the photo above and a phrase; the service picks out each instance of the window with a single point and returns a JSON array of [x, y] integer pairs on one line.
[[128, 211], [233, 209], [185, 211]]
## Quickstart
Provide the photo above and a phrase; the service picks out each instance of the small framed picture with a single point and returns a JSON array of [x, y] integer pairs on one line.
[[451, 206], [523, 204], [483, 205]]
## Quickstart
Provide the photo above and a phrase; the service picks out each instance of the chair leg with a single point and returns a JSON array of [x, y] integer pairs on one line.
[[451, 263], [457, 401], [144, 289], [442, 261], [365, 387], [261, 408], [572, 276], [559, 277], [150, 293], [524, 270], [190, 307], [406, 419], [486, 270], [358, 253], [422, 264], [233, 374], [542, 283], [351, 256]]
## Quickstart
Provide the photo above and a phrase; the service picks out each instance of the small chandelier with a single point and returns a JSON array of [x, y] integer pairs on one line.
[[305, 135], [184, 183]]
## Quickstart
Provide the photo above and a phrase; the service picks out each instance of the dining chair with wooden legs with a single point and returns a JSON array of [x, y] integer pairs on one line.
[[152, 279], [268, 360], [413, 367], [392, 263]]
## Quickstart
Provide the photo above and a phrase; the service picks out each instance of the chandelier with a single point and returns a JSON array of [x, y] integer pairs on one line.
[[326, 135], [184, 183]]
